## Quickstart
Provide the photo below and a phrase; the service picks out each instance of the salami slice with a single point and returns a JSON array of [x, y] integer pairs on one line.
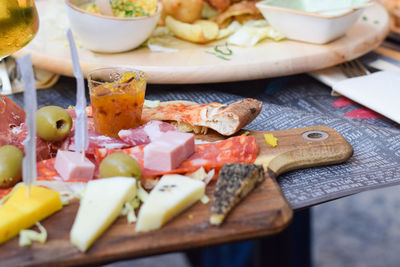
[[4, 192], [238, 149]]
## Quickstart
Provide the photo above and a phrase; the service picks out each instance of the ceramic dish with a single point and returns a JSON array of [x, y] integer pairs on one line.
[[312, 21], [109, 34]]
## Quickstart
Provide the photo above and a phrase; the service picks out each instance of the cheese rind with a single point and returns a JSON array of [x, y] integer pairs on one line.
[[99, 207], [172, 195], [21, 212]]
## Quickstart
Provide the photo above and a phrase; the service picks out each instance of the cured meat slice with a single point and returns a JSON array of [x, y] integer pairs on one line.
[[11, 114], [238, 149], [90, 121], [47, 172], [95, 141], [235, 182], [44, 149], [146, 133]]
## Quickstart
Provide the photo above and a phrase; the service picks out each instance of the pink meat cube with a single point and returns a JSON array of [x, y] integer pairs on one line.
[[169, 151], [70, 165]]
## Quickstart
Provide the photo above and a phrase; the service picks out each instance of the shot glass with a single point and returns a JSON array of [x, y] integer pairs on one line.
[[117, 96]]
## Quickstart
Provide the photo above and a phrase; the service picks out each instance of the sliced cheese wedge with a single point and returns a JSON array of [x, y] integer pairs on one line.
[[172, 195], [235, 182], [21, 212], [99, 207]]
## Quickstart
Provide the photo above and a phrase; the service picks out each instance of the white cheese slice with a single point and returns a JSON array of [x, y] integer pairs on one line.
[[172, 195], [99, 207]]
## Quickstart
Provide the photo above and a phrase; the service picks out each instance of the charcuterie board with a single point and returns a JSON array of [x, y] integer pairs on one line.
[[193, 63], [264, 212]]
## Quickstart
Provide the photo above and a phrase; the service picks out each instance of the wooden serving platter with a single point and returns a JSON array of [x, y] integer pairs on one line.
[[264, 212], [198, 63]]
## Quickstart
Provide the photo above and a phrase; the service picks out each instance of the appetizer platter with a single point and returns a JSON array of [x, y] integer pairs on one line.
[[232, 171], [214, 61], [127, 177]]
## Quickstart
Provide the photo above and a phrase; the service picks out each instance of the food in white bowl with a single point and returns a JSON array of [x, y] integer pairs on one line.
[[317, 22], [109, 34]]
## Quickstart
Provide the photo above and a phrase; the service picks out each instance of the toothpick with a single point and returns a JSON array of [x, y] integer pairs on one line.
[[30, 103], [81, 130]]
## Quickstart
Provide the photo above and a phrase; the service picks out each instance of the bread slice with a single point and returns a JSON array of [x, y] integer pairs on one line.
[[224, 119]]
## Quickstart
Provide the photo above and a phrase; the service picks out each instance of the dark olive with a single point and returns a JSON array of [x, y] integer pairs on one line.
[[10, 165], [120, 164], [53, 123]]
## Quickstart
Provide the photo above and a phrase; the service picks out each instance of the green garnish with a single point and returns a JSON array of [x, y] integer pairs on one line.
[[228, 53], [218, 56]]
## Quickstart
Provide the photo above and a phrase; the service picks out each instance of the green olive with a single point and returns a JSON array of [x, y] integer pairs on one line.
[[53, 123], [119, 164], [10, 165]]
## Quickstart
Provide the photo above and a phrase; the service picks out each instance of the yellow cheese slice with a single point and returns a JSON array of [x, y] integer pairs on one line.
[[99, 207], [21, 212], [172, 195]]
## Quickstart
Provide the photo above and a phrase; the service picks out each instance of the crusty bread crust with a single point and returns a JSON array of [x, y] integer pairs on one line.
[[224, 119], [246, 111]]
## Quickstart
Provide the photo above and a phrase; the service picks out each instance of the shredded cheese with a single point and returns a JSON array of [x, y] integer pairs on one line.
[[199, 174], [129, 211], [271, 140], [141, 193], [205, 199], [26, 237]]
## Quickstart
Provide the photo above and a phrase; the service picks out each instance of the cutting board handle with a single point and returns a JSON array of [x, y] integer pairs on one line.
[[302, 148]]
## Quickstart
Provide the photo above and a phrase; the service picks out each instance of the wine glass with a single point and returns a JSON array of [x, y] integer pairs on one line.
[[19, 23]]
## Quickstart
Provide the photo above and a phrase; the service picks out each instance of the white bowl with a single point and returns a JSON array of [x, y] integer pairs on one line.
[[317, 21], [106, 33]]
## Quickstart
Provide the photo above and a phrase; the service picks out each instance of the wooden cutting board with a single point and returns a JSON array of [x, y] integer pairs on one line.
[[264, 212], [194, 63]]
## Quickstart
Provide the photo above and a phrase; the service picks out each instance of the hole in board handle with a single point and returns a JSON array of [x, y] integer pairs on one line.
[[315, 135]]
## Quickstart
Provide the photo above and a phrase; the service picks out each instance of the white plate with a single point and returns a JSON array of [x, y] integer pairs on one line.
[[198, 63]]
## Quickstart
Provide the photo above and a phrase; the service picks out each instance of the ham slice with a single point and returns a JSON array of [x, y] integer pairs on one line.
[[70, 165], [146, 133], [95, 141], [169, 151]]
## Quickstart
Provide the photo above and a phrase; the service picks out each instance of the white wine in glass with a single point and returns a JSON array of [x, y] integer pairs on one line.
[[19, 23]]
